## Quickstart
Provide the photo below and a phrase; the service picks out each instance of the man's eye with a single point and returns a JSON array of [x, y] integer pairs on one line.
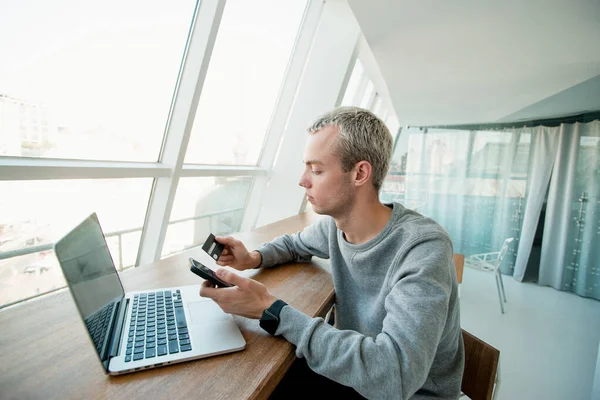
[[316, 172]]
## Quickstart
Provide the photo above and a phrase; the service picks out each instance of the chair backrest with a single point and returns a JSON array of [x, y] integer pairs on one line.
[[459, 263], [481, 365], [504, 248]]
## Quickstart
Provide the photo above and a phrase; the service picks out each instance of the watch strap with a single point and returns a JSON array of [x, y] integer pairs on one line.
[[270, 317]]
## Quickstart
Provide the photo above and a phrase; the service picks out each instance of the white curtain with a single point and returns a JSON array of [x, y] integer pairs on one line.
[[543, 154], [484, 186], [570, 258]]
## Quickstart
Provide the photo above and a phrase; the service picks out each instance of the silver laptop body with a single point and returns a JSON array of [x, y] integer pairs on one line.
[[143, 329]]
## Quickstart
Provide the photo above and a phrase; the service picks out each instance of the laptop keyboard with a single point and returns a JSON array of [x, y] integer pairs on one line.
[[97, 325], [157, 326]]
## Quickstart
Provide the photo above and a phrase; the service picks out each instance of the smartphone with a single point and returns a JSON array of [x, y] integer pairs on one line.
[[206, 273]]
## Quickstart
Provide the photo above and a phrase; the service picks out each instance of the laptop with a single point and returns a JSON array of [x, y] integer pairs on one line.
[[143, 329]]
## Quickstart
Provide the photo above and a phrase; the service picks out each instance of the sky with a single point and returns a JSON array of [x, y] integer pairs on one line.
[[110, 64], [114, 65]]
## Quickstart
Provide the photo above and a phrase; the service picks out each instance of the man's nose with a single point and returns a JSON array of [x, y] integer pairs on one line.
[[303, 181]]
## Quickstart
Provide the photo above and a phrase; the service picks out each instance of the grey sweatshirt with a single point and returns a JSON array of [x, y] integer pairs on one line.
[[397, 333]]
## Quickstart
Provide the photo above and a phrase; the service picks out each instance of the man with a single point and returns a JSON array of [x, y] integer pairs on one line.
[[397, 328]]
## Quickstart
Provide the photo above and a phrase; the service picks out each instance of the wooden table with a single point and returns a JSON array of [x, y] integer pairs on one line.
[[45, 351]]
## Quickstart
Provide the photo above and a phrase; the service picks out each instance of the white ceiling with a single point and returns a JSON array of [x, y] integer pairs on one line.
[[459, 62]]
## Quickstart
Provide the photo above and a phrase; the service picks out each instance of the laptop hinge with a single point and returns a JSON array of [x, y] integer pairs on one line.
[[117, 329]]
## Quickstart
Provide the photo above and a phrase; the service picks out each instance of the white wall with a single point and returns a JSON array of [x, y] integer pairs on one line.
[[323, 75]]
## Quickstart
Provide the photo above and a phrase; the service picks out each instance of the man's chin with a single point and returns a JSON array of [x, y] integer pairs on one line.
[[315, 208], [319, 210]]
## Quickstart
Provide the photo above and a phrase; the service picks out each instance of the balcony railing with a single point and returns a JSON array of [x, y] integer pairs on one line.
[[49, 246]]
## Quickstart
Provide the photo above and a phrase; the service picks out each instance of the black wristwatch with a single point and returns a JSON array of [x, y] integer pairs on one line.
[[269, 320]]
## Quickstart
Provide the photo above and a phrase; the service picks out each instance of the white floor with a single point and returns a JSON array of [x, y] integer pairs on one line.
[[548, 340]]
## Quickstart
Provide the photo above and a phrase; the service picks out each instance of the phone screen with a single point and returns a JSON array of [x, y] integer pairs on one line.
[[206, 273]]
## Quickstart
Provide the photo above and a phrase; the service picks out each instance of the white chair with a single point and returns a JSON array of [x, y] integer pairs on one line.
[[490, 262]]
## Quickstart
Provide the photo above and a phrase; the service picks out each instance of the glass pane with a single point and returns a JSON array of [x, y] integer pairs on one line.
[[368, 97], [377, 109], [393, 125], [247, 67], [422, 163], [353, 83], [445, 152], [34, 213], [519, 169], [28, 276], [491, 152], [205, 205], [582, 261], [89, 80]]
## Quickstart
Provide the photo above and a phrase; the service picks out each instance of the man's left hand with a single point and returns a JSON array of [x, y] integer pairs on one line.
[[247, 298]]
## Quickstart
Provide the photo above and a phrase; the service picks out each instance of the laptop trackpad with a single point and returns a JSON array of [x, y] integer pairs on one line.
[[206, 311]]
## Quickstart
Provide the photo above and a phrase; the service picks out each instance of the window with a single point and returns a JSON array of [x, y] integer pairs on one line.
[[94, 84], [205, 205], [391, 121], [247, 67], [104, 74], [490, 152], [353, 84], [36, 213], [368, 96]]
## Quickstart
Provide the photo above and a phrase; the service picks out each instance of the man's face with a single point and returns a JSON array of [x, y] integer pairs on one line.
[[329, 189]]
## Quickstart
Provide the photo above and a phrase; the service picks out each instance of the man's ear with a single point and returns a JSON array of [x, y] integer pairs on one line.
[[362, 173]]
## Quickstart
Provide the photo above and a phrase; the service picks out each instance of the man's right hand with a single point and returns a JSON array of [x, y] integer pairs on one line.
[[236, 255]]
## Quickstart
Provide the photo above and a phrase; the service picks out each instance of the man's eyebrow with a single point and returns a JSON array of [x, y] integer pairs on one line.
[[311, 162]]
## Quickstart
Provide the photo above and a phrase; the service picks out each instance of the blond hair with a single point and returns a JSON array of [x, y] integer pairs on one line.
[[362, 137]]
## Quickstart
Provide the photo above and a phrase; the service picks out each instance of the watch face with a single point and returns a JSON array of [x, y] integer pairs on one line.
[[269, 325], [268, 322]]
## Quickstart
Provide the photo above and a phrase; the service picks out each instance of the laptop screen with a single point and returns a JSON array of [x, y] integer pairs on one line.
[[91, 275]]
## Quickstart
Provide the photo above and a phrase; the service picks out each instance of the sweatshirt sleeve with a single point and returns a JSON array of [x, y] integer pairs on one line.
[[300, 247], [395, 363]]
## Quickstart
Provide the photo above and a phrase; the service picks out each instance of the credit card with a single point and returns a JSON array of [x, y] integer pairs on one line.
[[212, 247]]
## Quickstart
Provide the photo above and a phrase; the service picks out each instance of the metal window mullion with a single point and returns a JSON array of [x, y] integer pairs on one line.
[[283, 107], [384, 114], [201, 40], [348, 76], [189, 170], [291, 81], [373, 102], [27, 169]]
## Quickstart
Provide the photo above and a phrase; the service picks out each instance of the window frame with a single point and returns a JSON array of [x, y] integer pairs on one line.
[[170, 165], [169, 168]]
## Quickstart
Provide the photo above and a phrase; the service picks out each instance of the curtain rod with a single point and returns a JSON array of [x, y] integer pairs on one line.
[[570, 119]]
